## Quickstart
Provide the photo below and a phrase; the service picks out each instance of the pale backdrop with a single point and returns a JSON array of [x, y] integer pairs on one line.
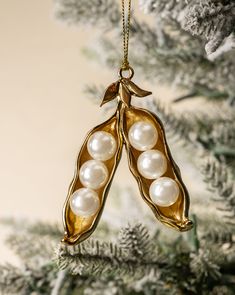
[[44, 114]]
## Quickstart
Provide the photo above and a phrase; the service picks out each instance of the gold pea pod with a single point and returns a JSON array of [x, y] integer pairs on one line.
[[80, 227], [172, 204]]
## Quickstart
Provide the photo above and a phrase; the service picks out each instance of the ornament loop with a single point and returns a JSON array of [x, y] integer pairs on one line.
[[130, 73]]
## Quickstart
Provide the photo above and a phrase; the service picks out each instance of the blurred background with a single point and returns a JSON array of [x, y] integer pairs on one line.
[[56, 59], [45, 114]]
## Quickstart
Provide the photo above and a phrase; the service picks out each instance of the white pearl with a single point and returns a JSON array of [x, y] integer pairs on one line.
[[93, 174], [143, 135], [84, 202], [101, 146], [164, 191], [152, 164]]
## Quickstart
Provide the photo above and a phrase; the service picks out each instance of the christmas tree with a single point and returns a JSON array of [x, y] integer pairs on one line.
[[190, 45]]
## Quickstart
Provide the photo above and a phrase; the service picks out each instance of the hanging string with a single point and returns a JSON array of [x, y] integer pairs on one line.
[[125, 34]]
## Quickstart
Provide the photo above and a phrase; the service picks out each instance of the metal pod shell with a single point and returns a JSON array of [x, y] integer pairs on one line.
[[176, 215], [77, 228]]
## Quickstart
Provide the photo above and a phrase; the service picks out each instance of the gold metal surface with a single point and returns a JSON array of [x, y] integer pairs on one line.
[[176, 215], [129, 69], [77, 228]]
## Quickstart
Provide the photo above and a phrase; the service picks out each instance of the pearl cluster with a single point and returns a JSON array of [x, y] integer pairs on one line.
[[93, 174], [152, 164]]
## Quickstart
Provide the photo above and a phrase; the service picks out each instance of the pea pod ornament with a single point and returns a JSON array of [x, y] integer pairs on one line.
[[150, 162]]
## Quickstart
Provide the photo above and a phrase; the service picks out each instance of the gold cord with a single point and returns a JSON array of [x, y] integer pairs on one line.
[[125, 34]]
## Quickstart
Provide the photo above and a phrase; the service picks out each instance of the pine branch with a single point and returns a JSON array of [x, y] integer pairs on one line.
[[227, 45], [186, 96], [218, 236], [180, 127], [135, 263], [107, 259], [164, 51], [31, 248], [214, 135], [195, 72], [135, 242], [203, 264], [95, 94], [104, 13], [223, 137], [26, 280], [59, 282], [12, 281], [222, 290], [45, 229], [214, 20], [220, 183], [108, 264], [165, 9], [37, 228]]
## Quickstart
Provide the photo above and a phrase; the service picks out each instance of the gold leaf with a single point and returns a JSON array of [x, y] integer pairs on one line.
[[110, 93], [124, 94], [136, 90]]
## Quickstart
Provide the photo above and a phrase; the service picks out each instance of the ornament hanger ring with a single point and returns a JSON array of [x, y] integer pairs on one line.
[[130, 73]]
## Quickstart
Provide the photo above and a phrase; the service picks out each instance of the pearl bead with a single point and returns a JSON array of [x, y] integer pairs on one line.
[[164, 191], [152, 164], [101, 146], [143, 135], [84, 202], [93, 174]]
